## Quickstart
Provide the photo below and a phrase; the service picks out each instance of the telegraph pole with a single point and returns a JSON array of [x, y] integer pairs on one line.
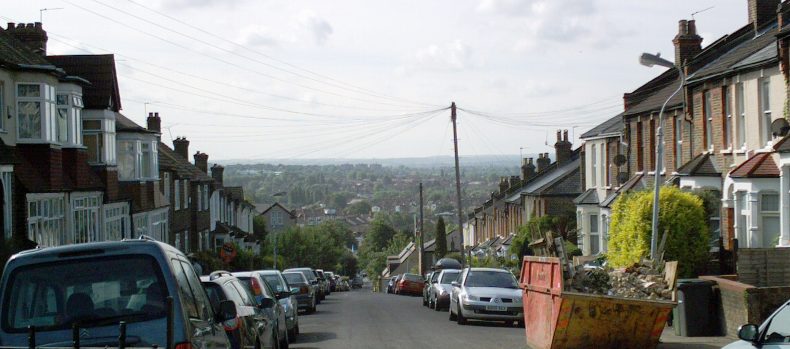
[[421, 239], [458, 184]]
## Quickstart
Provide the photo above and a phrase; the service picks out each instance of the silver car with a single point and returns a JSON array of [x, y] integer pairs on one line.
[[307, 297], [774, 333], [486, 294], [441, 288], [287, 297]]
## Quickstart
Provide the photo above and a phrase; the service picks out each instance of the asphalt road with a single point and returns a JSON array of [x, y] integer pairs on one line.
[[363, 319]]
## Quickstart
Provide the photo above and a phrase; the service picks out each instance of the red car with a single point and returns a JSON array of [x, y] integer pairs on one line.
[[410, 284]]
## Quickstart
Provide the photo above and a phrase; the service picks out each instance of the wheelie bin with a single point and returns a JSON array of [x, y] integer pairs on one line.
[[697, 312]]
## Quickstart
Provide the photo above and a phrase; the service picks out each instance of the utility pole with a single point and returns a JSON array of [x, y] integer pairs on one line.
[[458, 184], [421, 237]]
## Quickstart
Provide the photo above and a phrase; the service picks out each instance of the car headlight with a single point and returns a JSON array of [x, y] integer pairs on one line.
[[467, 297]]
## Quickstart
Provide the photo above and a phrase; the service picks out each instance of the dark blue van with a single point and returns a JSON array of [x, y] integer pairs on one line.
[[85, 291]]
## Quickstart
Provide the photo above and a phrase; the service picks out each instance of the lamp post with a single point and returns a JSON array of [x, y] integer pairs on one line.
[[650, 60]]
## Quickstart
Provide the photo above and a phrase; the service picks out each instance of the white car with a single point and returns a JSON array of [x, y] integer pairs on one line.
[[486, 294], [774, 333]]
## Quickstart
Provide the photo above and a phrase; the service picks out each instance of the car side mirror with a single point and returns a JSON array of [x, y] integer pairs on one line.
[[455, 284], [294, 290], [267, 303], [748, 332], [227, 311]]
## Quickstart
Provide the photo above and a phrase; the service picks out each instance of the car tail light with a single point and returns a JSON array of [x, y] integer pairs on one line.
[[186, 345], [231, 325], [304, 290], [256, 287]]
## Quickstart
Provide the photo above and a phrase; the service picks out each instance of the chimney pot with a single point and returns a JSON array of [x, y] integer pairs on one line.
[[32, 35], [11, 25], [216, 173], [565, 135], [687, 43], [154, 123], [201, 161], [181, 146]]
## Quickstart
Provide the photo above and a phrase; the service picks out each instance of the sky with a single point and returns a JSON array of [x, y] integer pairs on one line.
[[311, 79]]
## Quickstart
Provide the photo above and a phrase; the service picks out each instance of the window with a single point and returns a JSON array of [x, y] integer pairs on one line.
[[6, 176], [177, 196], [98, 135], [602, 164], [579, 233], [769, 209], [652, 149], [604, 232], [68, 118], [765, 109], [2, 106], [166, 186], [46, 220], [678, 141], [140, 224], [35, 110], [594, 164], [159, 228], [186, 242], [199, 197], [741, 214], [595, 237], [186, 193], [116, 221], [708, 121], [779, 328], [727, 117], [205, 197], [85, 218], [178, 241], [640, 148], [188, 298], [137, 160], [741, 110]]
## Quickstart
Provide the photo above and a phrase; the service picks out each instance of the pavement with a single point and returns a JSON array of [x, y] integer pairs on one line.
[[363, 319]]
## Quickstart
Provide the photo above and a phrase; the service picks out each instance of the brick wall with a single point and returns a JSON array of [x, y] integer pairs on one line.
[[764, 266], [742, 303]]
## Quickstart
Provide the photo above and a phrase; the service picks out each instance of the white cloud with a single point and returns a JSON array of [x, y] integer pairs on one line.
[[257, 35], [452, 56], [317, 26], [186, 4]]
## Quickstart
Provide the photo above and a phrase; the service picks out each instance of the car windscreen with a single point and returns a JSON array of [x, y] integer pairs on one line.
[[274, 282], [412, 277], [247, 282], [293, 278], [449, 277], [490, 279], [53, 296]]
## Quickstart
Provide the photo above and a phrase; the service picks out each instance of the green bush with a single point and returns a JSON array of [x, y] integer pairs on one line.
[[681, 214]]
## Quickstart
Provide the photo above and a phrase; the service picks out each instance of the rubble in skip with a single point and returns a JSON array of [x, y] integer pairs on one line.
[[639, 281]]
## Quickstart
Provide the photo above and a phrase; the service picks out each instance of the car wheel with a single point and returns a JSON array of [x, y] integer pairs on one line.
[[424, 302], [436, 305], [452, 315], [284, 341], [460, 317]]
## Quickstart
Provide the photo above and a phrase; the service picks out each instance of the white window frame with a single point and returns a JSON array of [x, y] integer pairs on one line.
[[765, 110], [2, 106], [84, 209], [604, 232], [152, 223], [186, 193], [136, 156], [98, 131], [7, 181], [46, 219], [205, 197], [177, 194], [199, 206], [728, 122], [46, 100], [72, 105], [594, 232], [708, 111], [116, 221], [741, 111], [769, 214], [678, 141], [594, 165]]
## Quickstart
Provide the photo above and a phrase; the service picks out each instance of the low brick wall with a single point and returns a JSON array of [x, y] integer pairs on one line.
[[742, 303]]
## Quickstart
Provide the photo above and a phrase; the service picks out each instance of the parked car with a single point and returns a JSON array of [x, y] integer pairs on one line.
[[324, 283], [774, 333], [253, 326], [411, 284], [330, 278], [312, 276], [486, 294], [259, 288], [287, 297], [391, 284], [426, 290], [357, 282], [97, 285], [306, 298], [439, 297]]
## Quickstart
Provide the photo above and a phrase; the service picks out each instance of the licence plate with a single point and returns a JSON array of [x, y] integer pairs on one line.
[[495, 308]]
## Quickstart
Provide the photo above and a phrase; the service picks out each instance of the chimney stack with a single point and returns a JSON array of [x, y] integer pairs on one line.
[[762, 12], [687, 43], [527, 169], [543, 162], [216, 173], [562, 148], [181, 146], [503, 184], [154, 122], [32, 35], [201, 161]]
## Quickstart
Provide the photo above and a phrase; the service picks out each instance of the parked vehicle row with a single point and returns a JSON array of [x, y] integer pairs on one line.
[[56, 297]]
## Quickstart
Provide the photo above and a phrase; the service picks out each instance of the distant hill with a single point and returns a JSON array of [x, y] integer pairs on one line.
[[509, 160]]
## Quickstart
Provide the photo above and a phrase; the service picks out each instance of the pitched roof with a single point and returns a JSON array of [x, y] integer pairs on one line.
[[277, 204], [124, 124], [235, 193], [14, 52], [170, 160], [652, 95], [638, 182], [103, 93], [561, 180], [589, 197], [760, 165], [700, 166], [782, 145], [745, 49], [613, 126]]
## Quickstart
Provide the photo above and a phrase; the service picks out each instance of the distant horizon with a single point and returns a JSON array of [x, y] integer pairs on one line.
[[393, 161]]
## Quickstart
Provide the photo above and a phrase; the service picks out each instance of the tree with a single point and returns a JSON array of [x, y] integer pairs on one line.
[[359, 207], [379, 235], [681, 215], [441, 239], [259, 227]]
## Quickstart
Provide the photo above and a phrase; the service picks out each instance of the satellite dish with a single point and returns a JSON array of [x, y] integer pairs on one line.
[[780, 127], [622, 177], [620, 160]]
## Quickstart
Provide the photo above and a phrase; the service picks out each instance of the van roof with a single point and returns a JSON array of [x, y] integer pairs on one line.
[[85, 249]]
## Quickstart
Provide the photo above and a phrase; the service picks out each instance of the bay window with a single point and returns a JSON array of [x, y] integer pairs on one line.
[[35, 109], [769, 210], [116, 221], [137, 159], [46, 219], [152, 224], [595, 237], [85, 218], [68, 128], [98, 136]]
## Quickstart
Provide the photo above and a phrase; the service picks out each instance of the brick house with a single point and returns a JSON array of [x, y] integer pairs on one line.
[[230, 214], [278, 218], [600, 179]]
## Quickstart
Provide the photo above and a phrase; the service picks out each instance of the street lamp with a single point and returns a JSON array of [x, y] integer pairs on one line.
[[650, 60]]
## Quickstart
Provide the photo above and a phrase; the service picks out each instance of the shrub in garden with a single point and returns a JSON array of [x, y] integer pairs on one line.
[[681, 215]]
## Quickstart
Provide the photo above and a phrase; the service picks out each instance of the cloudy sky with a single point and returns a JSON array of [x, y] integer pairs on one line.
[[245, 79]]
